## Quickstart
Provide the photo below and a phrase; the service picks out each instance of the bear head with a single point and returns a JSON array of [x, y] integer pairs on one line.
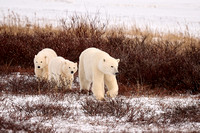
[[109, 65], [40, 61], [69, 67]]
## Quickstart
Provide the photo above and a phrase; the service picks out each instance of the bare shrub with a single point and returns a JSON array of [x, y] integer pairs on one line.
[[138, 115], [23, 83], [20, 116], [117, 107], [10, 125], [44, 110], [171, 115], [182, 114]]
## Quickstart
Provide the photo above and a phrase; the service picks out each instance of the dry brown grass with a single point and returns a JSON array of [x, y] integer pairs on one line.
[[167, 63]]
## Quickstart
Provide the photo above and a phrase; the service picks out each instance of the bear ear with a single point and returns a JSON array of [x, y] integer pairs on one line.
[[46, 59], [104, 60], [66, 62], [118, 60]]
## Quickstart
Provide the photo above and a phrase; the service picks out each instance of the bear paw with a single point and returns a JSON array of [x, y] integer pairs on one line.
[[111, 94], [100, 98]]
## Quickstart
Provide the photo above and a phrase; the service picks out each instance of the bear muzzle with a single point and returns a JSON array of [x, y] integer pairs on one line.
[[72, 72], [38, 67]]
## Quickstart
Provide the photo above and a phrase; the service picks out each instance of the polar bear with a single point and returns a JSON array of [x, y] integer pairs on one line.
[[98, 67], [41, 62], [62, 71]]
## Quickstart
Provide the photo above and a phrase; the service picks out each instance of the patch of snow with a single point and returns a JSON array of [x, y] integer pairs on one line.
[[161, 15], [79, 121]]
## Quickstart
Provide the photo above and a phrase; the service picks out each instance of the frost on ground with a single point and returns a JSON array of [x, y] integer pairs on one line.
[[78, 112], [162, 15], [70, 113]]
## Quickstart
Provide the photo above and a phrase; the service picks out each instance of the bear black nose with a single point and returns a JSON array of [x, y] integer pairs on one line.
[[38, 66], [72, 72], [116, 73]]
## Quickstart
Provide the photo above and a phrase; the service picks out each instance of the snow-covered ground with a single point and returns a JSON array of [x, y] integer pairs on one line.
[[16, 106], [78, 112], [162, 15]]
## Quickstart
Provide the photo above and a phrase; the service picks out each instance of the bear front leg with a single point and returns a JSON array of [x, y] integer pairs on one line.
[[45, 76], [38, 73], [69, 83], [98, 86], [45, 73], [58, 79], [111, 84]]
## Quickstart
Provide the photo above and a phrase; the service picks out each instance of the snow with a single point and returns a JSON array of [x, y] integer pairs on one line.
[[81, 122], [14, 108], [161, 15]]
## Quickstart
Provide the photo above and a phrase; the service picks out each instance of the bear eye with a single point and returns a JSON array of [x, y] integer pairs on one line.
[[41, 62], [111, 66], [36, 62], [74, 67], [69, 67]]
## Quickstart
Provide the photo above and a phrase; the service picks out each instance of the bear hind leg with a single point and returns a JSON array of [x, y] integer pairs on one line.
[[84, 83]]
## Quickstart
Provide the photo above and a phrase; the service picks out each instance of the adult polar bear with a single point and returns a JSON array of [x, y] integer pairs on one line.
[[41, 62], [98, 67]]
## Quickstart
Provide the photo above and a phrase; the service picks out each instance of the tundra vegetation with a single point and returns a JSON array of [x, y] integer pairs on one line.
[[152, 64]]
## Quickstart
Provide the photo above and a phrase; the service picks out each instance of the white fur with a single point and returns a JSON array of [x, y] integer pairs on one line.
[[99, 68], [62, 71], [41, 62]]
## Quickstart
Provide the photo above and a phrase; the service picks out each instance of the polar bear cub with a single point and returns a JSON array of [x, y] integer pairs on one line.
[[62, 71], [99, 68], [41, 62]]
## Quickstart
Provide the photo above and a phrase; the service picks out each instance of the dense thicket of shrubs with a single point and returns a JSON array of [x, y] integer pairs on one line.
[[147, 60]]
